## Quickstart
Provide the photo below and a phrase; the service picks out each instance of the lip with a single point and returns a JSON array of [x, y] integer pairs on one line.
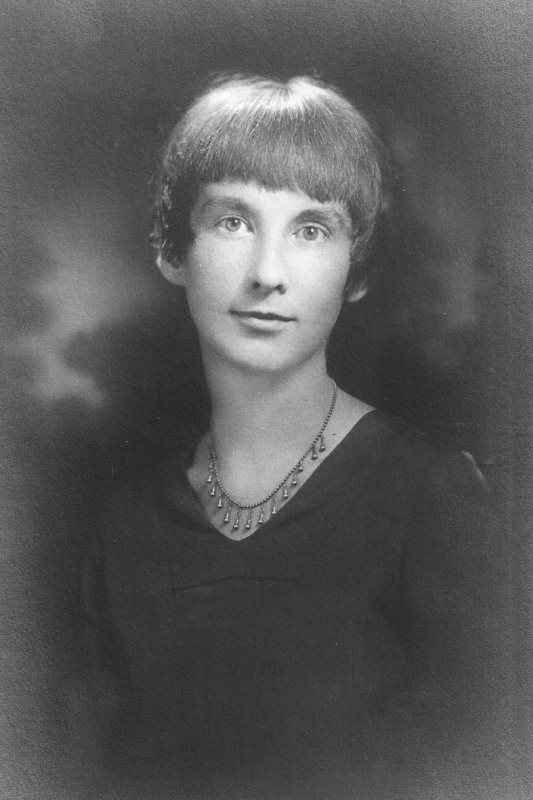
[[266, 322], [266, 316]]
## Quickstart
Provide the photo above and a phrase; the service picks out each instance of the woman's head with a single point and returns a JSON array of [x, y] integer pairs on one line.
[[298, 134]]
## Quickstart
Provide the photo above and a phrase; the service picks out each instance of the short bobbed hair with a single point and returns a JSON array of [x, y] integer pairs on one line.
[[299, 134]]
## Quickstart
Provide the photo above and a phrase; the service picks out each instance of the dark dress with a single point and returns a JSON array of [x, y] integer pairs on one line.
[[347, 649]]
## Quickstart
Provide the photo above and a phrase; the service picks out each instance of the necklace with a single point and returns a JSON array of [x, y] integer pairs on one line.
[[234, 511]]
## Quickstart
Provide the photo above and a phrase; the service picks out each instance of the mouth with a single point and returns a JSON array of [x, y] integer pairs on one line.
[[262, 315]]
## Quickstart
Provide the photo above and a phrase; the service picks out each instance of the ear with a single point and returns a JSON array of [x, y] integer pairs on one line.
[[352, 295], [171, 270]]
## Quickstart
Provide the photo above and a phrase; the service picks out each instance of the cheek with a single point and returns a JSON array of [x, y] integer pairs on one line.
[[201, 275], [330, 309], [212, 264], [209, 286], [330, 289]]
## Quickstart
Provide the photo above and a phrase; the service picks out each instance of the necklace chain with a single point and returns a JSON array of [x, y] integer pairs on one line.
[[227, 503]]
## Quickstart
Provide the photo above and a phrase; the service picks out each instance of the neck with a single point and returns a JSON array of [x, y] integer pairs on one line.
[[263, 413]]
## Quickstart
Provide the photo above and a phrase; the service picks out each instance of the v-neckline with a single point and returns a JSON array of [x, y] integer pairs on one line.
[[294, 500]]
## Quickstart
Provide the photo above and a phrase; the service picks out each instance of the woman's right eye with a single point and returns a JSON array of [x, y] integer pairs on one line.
[[232, 224]]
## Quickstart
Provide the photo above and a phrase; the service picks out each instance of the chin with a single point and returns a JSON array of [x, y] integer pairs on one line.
[[265, 366], [272, 366], [262, 356]]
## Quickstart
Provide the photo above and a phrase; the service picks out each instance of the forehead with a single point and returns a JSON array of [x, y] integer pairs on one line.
[[256, 199]]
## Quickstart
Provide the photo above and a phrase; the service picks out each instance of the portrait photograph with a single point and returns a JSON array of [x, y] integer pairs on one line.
[[266, 443]]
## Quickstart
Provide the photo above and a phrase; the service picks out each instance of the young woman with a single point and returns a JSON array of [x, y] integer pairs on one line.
[[303, 602]]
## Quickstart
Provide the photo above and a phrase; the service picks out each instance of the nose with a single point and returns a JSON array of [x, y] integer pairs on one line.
[[267, 271]]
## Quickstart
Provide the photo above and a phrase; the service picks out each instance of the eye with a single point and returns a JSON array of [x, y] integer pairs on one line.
[[232, 225], [312, 233]]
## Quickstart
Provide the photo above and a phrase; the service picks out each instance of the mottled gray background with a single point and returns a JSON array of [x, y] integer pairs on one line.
[[99, 357]]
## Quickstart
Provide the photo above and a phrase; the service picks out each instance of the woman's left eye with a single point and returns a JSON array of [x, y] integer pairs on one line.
[[311, 233]]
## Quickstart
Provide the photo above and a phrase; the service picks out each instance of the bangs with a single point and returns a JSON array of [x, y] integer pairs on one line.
[[301, 135], [282, 139]]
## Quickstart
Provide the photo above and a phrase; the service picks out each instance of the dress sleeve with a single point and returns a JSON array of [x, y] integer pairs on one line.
[[455, 582], [96, 692], [104, 654]]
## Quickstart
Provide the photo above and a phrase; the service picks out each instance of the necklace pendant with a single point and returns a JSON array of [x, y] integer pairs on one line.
[[268, 507]]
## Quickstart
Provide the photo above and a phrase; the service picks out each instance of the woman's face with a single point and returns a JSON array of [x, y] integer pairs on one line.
[[265, 274]]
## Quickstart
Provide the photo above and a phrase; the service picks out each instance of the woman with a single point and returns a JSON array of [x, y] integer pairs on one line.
[[303, 603]]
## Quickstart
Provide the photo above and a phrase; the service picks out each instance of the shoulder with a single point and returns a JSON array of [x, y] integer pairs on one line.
[[420, 490], [449, 521], [408, 455], [142, 502]]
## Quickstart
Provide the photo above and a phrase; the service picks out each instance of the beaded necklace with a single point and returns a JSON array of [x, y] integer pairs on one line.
[[236, 512]]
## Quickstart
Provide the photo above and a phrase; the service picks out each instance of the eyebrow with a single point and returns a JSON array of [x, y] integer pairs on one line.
[[327, 215], [227, 202]]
